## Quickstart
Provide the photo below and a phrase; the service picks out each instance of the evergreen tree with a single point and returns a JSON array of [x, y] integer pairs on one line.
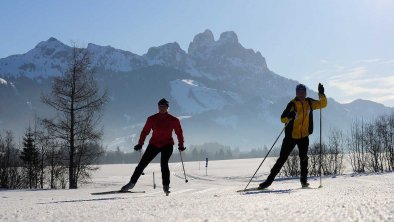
[[30, 157]]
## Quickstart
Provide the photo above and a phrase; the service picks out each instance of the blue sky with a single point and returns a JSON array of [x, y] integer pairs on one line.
[[345, 44]]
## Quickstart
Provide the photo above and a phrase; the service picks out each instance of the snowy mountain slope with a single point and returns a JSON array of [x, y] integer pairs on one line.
[[228, 90], [48, 58], [194, 97], [207, 198], [109, 58]]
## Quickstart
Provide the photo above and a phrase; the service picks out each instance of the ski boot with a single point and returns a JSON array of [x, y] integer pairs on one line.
[[265, 185], [166, 189], [127, 187], [304, 184]]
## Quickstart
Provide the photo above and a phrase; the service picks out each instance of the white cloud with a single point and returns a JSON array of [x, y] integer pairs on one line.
[[363, 61], [371, 79], [388, 62]]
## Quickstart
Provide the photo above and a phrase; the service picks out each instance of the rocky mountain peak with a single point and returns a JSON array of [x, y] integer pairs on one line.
[[200, 41], [228, 37], [169, 54], [51, 43]]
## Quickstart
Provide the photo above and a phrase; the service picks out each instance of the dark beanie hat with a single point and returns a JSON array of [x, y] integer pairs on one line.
[[163, 102], [300, 87]]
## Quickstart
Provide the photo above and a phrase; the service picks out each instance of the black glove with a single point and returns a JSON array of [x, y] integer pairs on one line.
[[137, 147], [321, 89], [181, 148], [292, 115]]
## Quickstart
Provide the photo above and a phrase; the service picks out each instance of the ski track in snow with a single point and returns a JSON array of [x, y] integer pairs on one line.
[[365, 197]]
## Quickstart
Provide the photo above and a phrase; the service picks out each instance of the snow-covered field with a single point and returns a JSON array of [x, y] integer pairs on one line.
[[367, 197]]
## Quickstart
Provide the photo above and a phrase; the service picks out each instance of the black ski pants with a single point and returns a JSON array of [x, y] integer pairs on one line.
[[288, 146], [150, 153]]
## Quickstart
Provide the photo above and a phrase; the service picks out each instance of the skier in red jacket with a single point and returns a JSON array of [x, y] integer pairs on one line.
[[162, 124]]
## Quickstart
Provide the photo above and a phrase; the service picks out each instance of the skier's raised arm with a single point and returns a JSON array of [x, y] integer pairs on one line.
[[322, 102]]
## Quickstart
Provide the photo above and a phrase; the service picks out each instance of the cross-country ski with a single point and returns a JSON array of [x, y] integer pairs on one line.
[[116, 192]]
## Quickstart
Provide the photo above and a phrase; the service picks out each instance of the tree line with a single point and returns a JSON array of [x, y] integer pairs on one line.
[[211, 150]]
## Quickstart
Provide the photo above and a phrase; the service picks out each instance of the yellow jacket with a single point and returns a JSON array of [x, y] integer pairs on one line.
[[302, 125]]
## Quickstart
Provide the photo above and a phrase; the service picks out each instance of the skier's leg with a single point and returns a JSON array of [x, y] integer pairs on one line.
[[165, 170], [287, 146], [149, 154], [303, 145]]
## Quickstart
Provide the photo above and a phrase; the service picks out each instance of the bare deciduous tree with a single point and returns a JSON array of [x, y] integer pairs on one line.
[[78, 102], [356, 147], [335, 153], [373, 148], [390, 146], [314, 159], [292, 166]]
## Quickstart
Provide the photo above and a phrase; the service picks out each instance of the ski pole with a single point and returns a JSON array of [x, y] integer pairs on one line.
[[265, 156], [184, 173], [320, 186], [140, 161], [154, 183]]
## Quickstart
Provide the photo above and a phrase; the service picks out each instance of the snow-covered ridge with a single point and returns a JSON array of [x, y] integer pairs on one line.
[[49, 58], [109, 58]]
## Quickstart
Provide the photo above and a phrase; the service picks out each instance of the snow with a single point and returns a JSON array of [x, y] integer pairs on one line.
[[113, 59], [184, 117], [46, 59], [3, 81], [365, 197], [190, 82], [194, 98], [49, 58]]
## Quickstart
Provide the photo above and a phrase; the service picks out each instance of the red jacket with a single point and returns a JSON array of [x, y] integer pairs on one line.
[[162, 126]]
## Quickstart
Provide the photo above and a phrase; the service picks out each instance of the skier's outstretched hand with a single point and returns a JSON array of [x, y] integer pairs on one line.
[[137, 147], [181, 148], [321, 88]]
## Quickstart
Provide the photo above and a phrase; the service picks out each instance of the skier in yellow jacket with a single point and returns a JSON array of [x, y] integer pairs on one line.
[[298, 116]]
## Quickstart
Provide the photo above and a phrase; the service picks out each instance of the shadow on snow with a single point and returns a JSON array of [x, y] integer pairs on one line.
[[267, 191], [88, 200]]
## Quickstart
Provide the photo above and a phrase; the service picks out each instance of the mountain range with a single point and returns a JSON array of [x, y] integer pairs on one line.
[[221, 91]]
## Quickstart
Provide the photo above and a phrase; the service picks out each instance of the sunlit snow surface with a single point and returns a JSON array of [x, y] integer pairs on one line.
[[365, 197]]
